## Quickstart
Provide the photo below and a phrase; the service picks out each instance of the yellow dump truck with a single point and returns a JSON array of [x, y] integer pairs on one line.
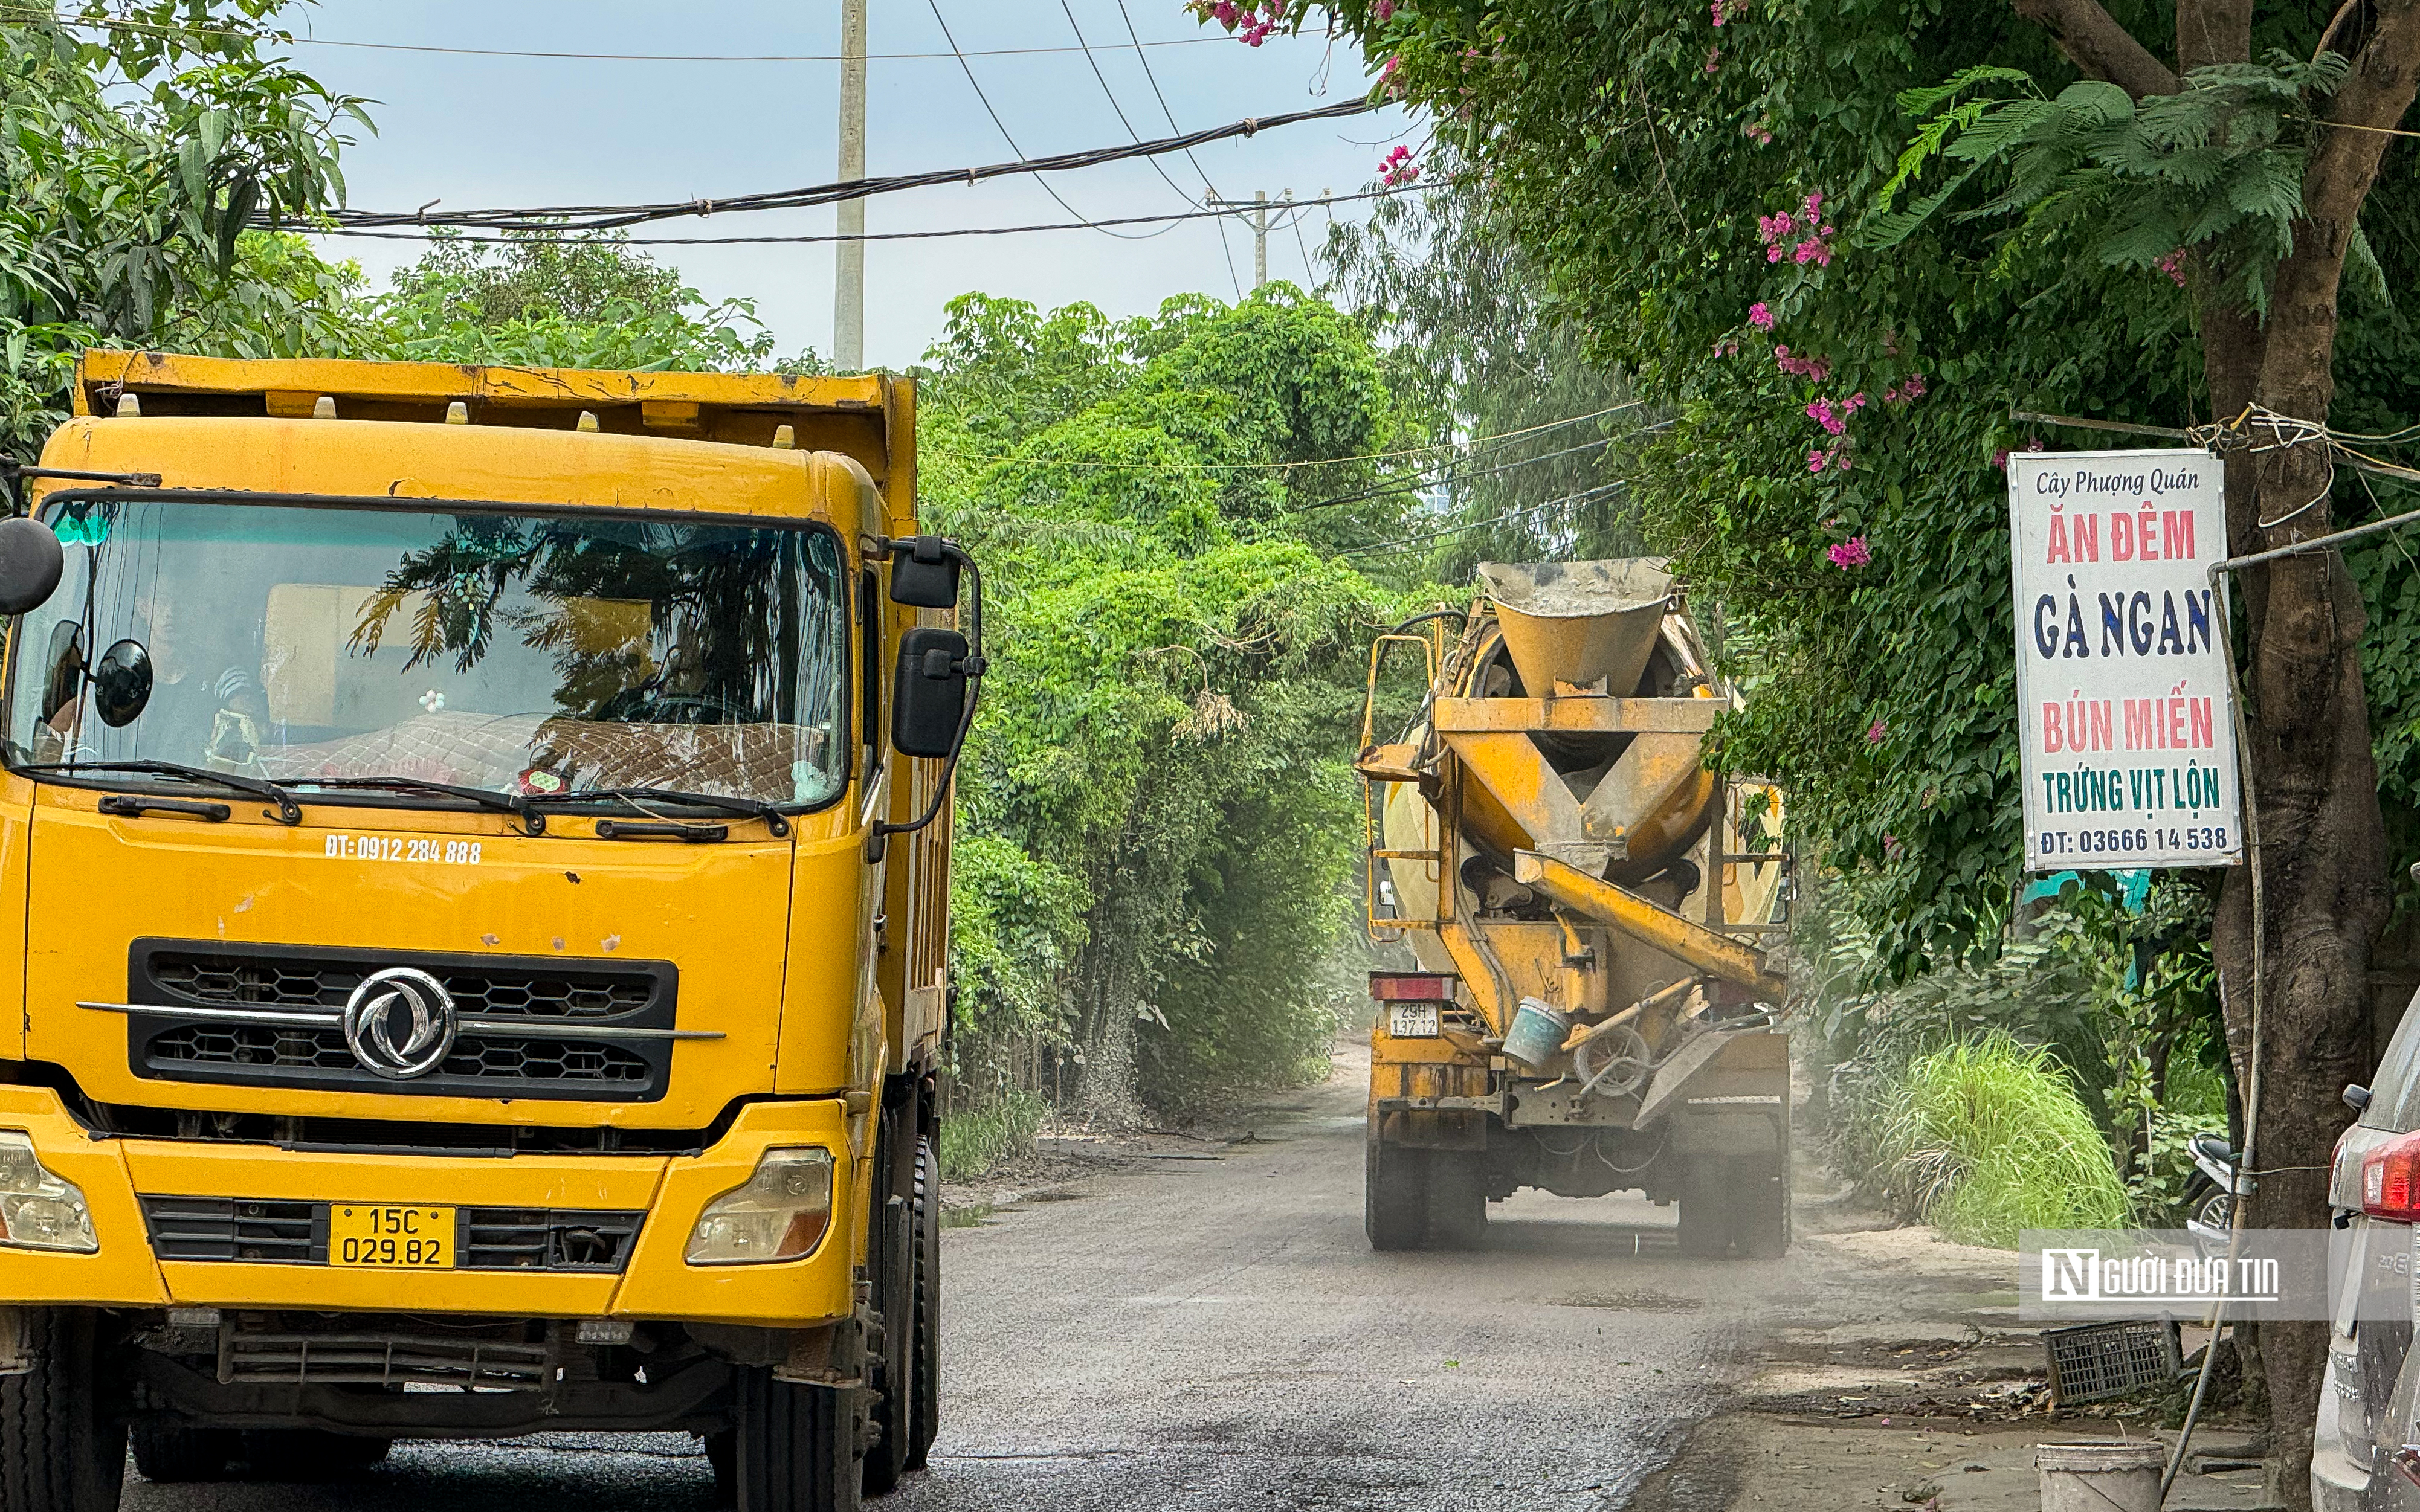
[[1591, 1011], [473, 866]]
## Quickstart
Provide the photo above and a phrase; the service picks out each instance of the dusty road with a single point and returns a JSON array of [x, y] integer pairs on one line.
[[1214, 1333]]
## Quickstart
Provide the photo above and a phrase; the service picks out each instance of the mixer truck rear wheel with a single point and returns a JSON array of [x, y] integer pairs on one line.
[[1457, 1200], [1394, 1195], [1759, 1206], [1705, 1207]]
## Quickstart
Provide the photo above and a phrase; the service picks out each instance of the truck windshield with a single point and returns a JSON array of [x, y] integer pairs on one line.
[[514, 653]]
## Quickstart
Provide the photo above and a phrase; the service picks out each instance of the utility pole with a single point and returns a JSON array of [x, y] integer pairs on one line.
[[848, 257], [1260, 238], [1260, 206]]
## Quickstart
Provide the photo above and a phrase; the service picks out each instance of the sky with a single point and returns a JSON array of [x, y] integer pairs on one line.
[[482, 132]]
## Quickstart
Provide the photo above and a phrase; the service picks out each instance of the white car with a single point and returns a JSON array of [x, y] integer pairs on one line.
[[2367, 1398]]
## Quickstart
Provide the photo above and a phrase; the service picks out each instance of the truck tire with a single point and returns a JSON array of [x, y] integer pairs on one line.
[[795, 1448], [62, 1448], [1457, 1200], [1705, 1206], [925, 1420], [168, 1451], [1759, 1206], [891, 1370], [1394, 1195]]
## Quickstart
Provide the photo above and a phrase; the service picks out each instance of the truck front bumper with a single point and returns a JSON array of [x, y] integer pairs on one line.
[[648, 1279]]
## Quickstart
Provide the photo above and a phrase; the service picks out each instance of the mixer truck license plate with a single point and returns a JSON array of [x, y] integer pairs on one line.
[[1413, 1021], [377, 1236]]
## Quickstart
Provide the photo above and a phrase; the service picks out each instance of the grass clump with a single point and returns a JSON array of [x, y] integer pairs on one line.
[[1987, 1137], [977, 1141]]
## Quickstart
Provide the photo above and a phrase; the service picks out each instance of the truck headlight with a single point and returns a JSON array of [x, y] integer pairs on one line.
[[781, 1215], [39, 1207]]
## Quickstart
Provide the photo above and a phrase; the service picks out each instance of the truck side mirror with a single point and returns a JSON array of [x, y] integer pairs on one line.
[[929, 699], [30, 563], [923, 574]]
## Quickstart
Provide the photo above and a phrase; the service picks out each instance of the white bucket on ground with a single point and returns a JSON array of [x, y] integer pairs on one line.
[[2101, 1475]]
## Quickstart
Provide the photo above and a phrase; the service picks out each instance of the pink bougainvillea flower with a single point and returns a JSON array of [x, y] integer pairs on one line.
[[1713, 58], [1851, 552], [1876, 731], [1759, 316], [1815, 461], [1890, 846], [2000, 459], [1717, 9], [1385, 9], [1814, 207], [2174, 265]]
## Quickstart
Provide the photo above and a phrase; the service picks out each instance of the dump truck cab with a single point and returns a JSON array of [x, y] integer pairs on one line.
[[476, 845]]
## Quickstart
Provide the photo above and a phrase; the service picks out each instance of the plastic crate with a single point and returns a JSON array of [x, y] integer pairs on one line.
[[2090, 1361]]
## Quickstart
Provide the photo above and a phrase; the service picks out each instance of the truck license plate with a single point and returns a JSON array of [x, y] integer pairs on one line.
[[380, 1236], [1413, 1021]]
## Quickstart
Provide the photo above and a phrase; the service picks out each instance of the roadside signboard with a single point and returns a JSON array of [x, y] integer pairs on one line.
[[2126, 718]]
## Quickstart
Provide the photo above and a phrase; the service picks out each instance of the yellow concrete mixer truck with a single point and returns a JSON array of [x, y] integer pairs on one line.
[[1585, 900]]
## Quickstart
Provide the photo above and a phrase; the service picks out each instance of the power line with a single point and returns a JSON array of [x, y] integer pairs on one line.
[[559, 218], [1209, 190], [517, 238], [1409, 542], [283, 39], [1451, 476], [1335, 461], [1047, 188], [1103, 80]]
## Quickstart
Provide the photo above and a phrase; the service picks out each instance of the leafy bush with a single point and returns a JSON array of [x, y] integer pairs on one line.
[[979, 1140], [1985, 1138]]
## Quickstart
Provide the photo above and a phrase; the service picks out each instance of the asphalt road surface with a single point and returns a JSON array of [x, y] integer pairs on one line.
[[1215, 1332]]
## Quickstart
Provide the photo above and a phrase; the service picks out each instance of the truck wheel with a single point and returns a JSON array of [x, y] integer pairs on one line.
[[166, 1450], [892, 1370], [61, 1450], [1457, 1200], [1705, 1207], [797, 1447], [925, 1420], [1394, 1195], [1759, 1206]]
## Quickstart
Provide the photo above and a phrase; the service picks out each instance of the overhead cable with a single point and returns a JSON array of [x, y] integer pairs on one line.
[[1411, 543], [283, 39], [545, 218], [1449, 474], [967, 69], [1209, 190], [514, 237], [1475, 442]]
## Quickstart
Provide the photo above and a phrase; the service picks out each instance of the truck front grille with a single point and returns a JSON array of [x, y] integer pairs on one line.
[[586, 1059], [264, 1231], [390, 1360], [552, 1060]]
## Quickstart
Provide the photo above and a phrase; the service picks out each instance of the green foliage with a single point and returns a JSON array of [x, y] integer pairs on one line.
[[132, 166], [1475, 346], [1155, 798], [2215, 169], [581, 301], [980, 1140], [1985, 1138]]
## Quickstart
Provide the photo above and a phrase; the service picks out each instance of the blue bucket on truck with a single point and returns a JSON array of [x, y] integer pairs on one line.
[[1536, 1034]]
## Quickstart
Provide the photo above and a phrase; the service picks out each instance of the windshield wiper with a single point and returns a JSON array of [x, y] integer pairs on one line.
[[288, 811], [637, 798], [511, 803]]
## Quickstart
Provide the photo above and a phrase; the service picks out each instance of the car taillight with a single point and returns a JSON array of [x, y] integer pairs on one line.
[[2390, 1181]]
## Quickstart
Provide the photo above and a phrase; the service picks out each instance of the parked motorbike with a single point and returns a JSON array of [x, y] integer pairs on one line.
[[2212, 1192]]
